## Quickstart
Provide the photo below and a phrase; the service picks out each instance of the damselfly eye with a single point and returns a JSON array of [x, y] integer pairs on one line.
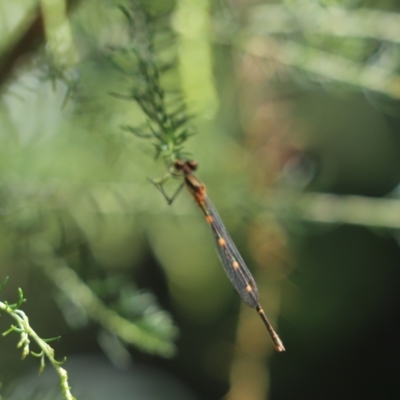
[[192, 165], [179, 165]]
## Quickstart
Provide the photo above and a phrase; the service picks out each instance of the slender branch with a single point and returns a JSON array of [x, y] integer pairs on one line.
[[315, 19], [335, 209]]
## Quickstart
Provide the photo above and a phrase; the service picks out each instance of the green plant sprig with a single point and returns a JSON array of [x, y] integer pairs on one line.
[[166, 117], [26, 333]]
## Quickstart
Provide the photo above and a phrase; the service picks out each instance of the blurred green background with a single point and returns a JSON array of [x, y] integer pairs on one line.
[[295, 110]]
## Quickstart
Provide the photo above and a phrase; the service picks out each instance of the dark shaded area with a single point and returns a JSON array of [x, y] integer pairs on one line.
[[343, 343]]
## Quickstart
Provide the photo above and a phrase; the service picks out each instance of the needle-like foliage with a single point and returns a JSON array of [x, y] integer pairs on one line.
[[144, 63]]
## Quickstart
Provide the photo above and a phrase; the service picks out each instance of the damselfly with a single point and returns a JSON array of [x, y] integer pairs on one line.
[[231, 260]]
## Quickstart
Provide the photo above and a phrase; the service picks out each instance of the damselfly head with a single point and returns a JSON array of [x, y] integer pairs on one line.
[[185, 165]]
